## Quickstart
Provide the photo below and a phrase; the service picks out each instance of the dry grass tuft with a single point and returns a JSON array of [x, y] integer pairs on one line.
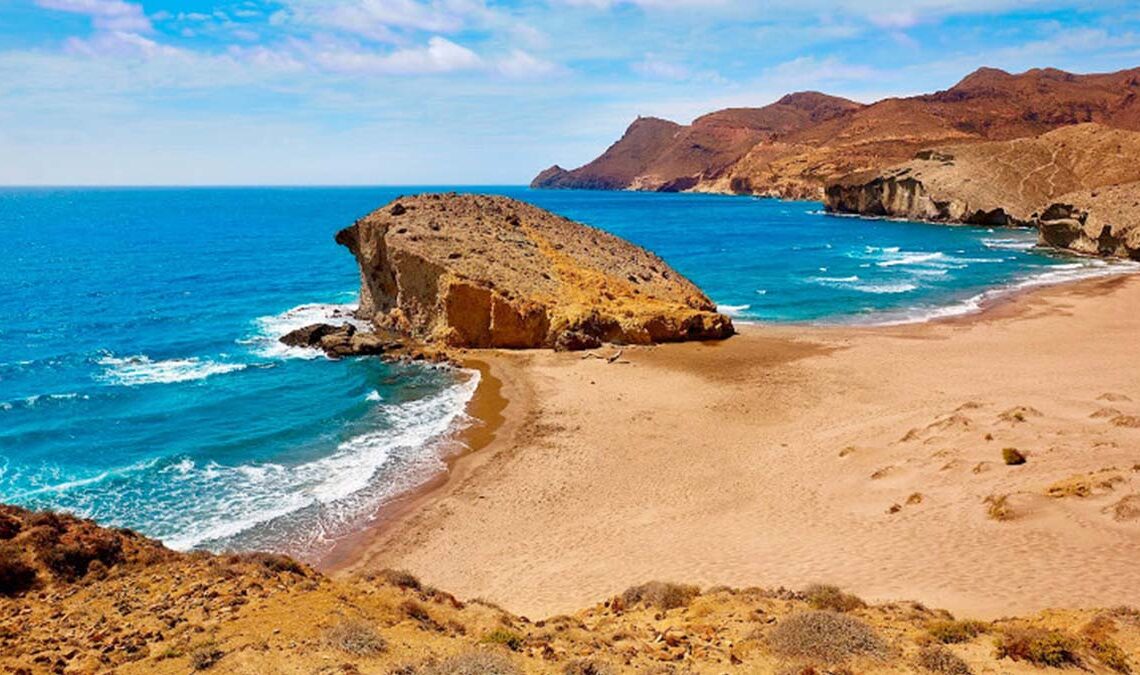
[[273, 562], [938, 659], [999, 508], [826, 636], [400, 579], [471, 663], [205, 656], [588, 667], [954, 631], [1012, 456], [1039, 646], [356, 637], [1098, 638], [660, 594], [508, 638], [1128, 508], [823, 596]]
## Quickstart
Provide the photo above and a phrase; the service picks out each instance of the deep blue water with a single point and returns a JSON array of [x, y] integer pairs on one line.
[[141, 382]]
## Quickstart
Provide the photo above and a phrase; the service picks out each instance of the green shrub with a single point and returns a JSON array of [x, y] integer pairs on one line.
[[953, 631], [821, 596], [502, 636]]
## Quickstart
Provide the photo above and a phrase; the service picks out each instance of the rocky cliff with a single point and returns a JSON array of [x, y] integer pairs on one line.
[[797, 146], [1104, 222], [80, 599], [993, 183], [485, 271]]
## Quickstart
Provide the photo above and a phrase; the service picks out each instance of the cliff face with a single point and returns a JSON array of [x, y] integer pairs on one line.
[[806, 141], [482, 271], [1104, 222], [993, 183]]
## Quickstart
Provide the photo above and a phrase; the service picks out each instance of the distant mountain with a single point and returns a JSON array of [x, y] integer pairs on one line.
[[796, 146]]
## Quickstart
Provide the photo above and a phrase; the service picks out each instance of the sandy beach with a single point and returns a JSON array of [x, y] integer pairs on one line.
[[862, 457]]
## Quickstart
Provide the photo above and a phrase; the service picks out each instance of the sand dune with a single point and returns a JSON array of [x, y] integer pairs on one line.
[[862, 457]]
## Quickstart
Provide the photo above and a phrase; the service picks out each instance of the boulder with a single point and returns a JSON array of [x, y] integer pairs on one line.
[[341, 341]]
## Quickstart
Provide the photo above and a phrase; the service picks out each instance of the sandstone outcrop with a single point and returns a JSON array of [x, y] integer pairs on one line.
[[993, 183], [341, 341], [484, 271], [1104, 221], [797, 146]]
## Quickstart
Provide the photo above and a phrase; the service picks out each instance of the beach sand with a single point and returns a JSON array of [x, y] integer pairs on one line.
[[790, 455]]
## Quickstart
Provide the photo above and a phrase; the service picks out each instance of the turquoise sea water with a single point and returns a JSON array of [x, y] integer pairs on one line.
[[141, 382]]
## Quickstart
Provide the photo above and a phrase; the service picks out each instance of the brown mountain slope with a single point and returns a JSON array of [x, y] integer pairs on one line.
[[77, 598], [656, 154], [995, 182], [989, 104]]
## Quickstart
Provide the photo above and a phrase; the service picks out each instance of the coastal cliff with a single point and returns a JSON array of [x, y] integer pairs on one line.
[[795, 147], [485, 271], [1022, 182]]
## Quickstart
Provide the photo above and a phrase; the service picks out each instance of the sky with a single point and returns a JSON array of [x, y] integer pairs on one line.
[[465, 92]]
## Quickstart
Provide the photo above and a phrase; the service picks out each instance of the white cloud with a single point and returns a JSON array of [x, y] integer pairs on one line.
[[106, 15], [520, 64], [439, 56]]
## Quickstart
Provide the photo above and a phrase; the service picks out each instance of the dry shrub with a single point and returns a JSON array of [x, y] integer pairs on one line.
[[16, 576], [71, 555], [1040, 647], [825, 636], [999, 508], [355, 637], [1098, 638], [10, 525], [588, 667], [1012, 456], [660, 594], [400, 579], [274, 562], [823, 596], [1128, 508], [205, 655], [1084, 485], [954, 631], [472, 663], [502, 636], [938, 659]]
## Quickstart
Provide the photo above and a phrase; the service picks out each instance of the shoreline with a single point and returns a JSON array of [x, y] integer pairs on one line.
[[440, 520]]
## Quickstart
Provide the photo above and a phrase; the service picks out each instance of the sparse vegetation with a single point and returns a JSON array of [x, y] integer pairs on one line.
[[588, 667], [502, 636], [205, 656], [660, 594], [823, 596], [825, 636], [938, 659], [16, 576], [273, 562], [953, 631], [1039, 646], [999, 508], [70, 556], [1098, 639], [356, 637], [401, 579], [471, 663], [1012, 456]]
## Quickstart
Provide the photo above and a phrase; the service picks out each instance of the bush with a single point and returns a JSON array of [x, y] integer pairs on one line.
[[998, 507], [1098, 638], [821, 596], [473, 663], [274, 562], [1040, 647], [16, 576], [1012, 456], [71, 556], [355, 637], [938, 659], [953, 631], [588, 667], [660, 594], [502, 636], [205, 655], [401, 579], [825, 636]]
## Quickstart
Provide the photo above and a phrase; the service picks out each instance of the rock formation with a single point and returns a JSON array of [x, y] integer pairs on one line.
[[1104, 221], [994, 183], [798, 145], [484, 271], [341, 341]]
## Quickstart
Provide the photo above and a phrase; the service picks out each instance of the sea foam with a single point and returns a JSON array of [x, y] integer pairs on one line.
[[138, 370]]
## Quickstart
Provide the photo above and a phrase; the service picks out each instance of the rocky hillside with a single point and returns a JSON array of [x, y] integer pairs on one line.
[[484, 271], [833, 137], [993, 183], [77, 598]]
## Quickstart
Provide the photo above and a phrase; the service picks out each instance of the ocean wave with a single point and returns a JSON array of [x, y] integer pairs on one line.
[[890, 288], [733, 310], [374, 396], [137, 370], [1010, 244], [911, 259], [38, 399], [266, 342]]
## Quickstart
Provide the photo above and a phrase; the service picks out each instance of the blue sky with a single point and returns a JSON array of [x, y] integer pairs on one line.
[[465, 91]]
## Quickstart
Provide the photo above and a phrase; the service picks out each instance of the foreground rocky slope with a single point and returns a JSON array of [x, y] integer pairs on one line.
[[77, 598], [833, 137], [484, 271]]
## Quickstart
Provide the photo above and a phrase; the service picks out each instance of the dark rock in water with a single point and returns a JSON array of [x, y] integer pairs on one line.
[[340, 341]]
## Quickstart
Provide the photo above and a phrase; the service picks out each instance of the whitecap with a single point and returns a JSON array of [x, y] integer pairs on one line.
[[1010, 244], [733, 310], [890, 288], [911, 259], [131, 371], [374, 396]]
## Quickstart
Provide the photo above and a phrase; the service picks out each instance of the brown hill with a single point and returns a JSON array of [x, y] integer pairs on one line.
[[484, 271], [799, 160], [94, 600], [658, 155]]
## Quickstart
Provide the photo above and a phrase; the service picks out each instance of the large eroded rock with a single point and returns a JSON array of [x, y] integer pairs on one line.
[[1104, 222], [486, 271]]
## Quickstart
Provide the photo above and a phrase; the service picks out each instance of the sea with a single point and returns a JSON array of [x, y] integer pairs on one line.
[[142, 382]]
